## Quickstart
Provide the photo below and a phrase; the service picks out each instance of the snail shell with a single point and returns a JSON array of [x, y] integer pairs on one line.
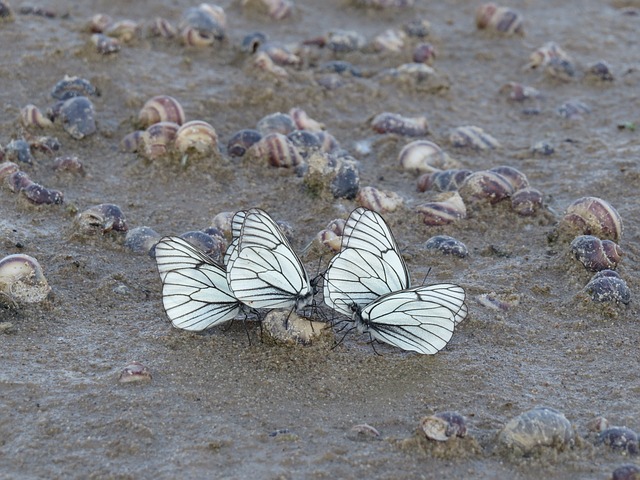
[[619, 438], [104, 44], [132, 142], [212, 246], [443, 212], [626, 472], [422, 156], [19, 150], [344, 41], [502, 20], [304, 122], [515, 177], [123, 30], [276, 123], [599, 71], [596, 254], [607, 286], [472, 137], [380, 201], [363, 433], [22, 279], [591, 216], [346, 182], [141, 240], [8, 168], [424, 53], [444, 425], [241, 141], [280, 54], [222, 223], [555, 61], [391, 40], [305, 142], [135, 372], [400, 125], [263, 61], [485, 186], [161, 108], [253, 41], [573, 110], [158, 139], [17, 180], [447, 245], [329, 239], [69, 163], [276, 9], [196, 136], [204, 24], [443, 180], [539, 427], [518, 92], [328, 142], [40, 195], [99, 22], [597, 424], [73, 87], [418, 27], [31, 116], [78, 117], [101, 218], [161, 27], [277, 150], [526, 201]]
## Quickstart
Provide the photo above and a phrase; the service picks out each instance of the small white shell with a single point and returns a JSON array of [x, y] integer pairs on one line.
[[196, 136], [472, 137], [449, 210], [424, 156], [539, 427], [31, 116]]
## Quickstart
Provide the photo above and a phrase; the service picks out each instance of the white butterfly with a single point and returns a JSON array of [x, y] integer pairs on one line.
[[263, 271], [195, 292], [368, 280], [419, 319], [368, 266]]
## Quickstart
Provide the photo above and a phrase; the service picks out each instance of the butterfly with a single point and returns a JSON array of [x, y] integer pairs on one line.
[[419, 319], [263, 271], [368, 281], [195, 292], [368, 265]]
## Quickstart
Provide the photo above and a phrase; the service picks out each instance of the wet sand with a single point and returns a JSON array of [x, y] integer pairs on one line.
[[218, 403]]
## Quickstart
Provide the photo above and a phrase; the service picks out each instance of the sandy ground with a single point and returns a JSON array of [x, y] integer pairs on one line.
[[222, 406]]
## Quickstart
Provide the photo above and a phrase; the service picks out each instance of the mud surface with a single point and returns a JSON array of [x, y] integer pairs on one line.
[[221, 405]]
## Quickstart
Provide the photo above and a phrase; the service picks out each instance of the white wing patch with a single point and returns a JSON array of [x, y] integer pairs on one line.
[[195, 292]]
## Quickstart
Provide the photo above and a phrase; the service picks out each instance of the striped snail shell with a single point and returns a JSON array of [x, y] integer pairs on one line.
[[515, 177], [31, 116], [443, 425], [161, 108], [423, 156], [158, 139], [472, 137], [277, 150], [395, 123], [104, 44], [526, 201], [304, 122], [591, 216], [497, 19], [196, 136], [380, 201], [132, 142], [443, 180], [276, 123], [485, 186], [8, 168], [101, 219], [596, 254], [444, 212], [241, 141], [161, 27]]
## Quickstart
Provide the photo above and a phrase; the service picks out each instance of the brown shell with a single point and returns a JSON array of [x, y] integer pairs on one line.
[[40, 195], [395, 123], [485, 187], [472, 137], [502, 20], [277, 150], [158, 139], [31, 116], [161, 108], [196, 136], [591, 216], [526, 201], [443, 181], [444, 212], [596, 254], [380, 201]]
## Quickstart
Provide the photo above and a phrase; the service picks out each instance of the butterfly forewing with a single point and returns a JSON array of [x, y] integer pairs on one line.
[[420, 319], [368, 266], [264, 271], [195, 293]]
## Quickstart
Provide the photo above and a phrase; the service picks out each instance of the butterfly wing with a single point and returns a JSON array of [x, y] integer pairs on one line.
[[236, 228], [195, 293], [420, 319], [368, 266], [264, 271]]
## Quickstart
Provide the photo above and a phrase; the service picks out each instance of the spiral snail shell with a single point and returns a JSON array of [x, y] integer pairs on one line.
[[424, 53], [515, 177], [161, 108], [276, 123], [443, 180], [158, 139], [202, 25], [277, 150], [591, 216], [39, 195], [539, 427], [161, 27], [31, 116], [607, 286], [502, 20], [443, 425], [485, 187], [104, 44], [241, 141], [8, 168], [73, 87], [304, 122], [141, 240], [395, 123], [132, 142], [423, 156], [443, 212], [22, 279], [380, 201], [17, 180], [391, 40], [78, 117], [619, 438], [197, 137], [596, 254], [472, 137], [102, 219], [447, 245], [526, 201]]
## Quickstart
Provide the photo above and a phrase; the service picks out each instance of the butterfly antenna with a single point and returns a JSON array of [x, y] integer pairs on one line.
[[426, 275], [339, 342], [372, 341]]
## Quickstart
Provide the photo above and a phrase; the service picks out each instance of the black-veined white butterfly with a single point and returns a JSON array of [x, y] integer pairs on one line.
[[368, 266], [195, 292], [263, 271], [419, 319]]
